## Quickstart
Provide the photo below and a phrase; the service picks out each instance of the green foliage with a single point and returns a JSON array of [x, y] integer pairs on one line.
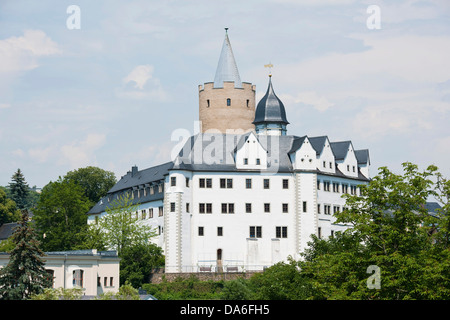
[[121, 228], [95, 182], [392, 230], [185, 289], [126, 292], [137, 263], [19, 190], [236, 290], [24, 275], [8, 209], [59, 294], [60, 215]]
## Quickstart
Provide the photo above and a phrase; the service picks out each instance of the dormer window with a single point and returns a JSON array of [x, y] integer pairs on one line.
[[245, 160], [258, 161]]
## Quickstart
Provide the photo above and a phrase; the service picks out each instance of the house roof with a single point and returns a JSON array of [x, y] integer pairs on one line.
[[7, 229], [340, 149], [362, 156]]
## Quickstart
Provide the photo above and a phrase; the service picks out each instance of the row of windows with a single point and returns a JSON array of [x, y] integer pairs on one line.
[[208, 103], [254, 232], [327, 209], [337, 187], [228, 183], [230, 208]]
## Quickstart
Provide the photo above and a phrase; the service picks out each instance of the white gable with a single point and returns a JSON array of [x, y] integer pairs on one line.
[[251, 155], [305, 156]]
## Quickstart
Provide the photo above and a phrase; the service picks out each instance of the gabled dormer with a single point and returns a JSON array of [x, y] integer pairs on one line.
[[250, 154], [302, 154], [325, 156], [363, 161], [345, 157]]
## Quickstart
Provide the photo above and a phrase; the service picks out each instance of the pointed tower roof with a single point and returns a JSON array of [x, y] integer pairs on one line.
[[227, 69], [270, 108]]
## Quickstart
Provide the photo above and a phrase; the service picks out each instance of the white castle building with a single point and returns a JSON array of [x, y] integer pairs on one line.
[[242, 194]]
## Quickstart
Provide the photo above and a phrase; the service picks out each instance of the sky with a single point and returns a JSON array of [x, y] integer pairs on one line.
[[107, 83]]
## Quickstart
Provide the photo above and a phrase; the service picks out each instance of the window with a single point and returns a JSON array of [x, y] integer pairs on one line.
[[258, 161], [248, 207], [304, 206], [172, 207], [248, 101], [336, 209], [219, 231], [150, 213], [248, 183], [208, 208], [205, 183], [255, 232], [318, 208], [228, 102], [105, 281], [348, 167], [229, 183], [353, 189], [245, 160], [285, 208], [318, 184], [187, 182], [77, 278], [187, 207], [324, 164], [173, 181], [354, 168], [285, 184], [207, 103], [200, 231], [266, 184], [326, 185], [335, 187], [281, 232], [143, 214], [319, 232], [344, 188], [266, 207], [226, 183], [326, 209], [227, 207], [331, 165], [161, 211], [111, 283]]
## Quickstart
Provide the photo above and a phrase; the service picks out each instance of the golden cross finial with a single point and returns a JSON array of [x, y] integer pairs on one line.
[[270, 65]]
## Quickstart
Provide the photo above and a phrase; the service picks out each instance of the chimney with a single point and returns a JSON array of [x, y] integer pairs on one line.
[[134, 170]]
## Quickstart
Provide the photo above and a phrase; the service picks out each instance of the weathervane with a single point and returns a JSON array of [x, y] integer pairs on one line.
[[270, 65]]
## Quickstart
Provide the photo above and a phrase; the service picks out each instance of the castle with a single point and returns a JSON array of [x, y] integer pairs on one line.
[[242, 194]]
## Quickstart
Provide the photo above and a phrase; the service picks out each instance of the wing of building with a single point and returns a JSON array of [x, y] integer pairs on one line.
[[242, 194]]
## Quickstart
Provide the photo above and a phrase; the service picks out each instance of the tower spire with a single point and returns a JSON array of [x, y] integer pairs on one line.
[[227, 68]]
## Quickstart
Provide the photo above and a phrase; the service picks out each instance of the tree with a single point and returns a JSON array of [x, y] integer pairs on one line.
[[121, 227], [24, 275], [8, 209], [391, 234], [95, 182], [60, 215], [19, 189], [137, 263]]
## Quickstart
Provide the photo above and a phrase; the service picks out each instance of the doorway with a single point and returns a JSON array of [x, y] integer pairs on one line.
[[219, 260]]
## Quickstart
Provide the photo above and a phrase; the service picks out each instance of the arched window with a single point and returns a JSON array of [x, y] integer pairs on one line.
[[228, 102], [77, 278]]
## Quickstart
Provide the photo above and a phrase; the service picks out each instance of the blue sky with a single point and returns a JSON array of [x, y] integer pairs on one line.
[[111, 93]]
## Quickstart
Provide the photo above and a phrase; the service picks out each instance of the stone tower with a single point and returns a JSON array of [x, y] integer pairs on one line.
[[227, 105]]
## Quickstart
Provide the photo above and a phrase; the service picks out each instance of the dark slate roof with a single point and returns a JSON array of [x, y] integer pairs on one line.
[[340, 149], [134, 178], [7, 229], [197, 154], [270, 108], [362, 156], [318, 143]]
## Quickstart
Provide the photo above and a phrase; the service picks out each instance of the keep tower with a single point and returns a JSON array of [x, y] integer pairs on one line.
[[227, 105]]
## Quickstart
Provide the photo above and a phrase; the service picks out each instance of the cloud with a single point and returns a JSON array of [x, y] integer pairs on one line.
[[139, 76], [80, 154], [4, 105], [146, 85], [22, 53], [311, 98]]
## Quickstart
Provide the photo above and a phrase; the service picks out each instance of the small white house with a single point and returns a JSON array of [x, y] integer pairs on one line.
[[94, 271]]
